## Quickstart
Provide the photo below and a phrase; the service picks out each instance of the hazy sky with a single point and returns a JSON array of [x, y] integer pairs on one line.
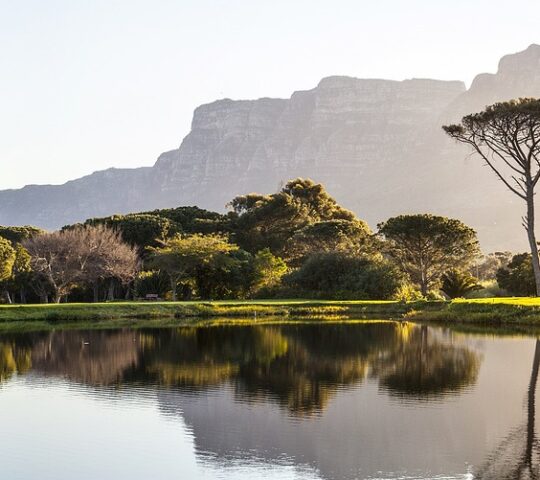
[[90, 84]]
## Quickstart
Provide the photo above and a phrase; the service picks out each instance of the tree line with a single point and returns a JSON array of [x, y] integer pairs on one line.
[[298, 242]]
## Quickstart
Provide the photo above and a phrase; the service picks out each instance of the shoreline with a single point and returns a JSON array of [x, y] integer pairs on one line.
[[492, 313], [202, 309]]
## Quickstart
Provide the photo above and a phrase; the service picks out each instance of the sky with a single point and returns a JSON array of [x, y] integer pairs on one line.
[[91, 84]]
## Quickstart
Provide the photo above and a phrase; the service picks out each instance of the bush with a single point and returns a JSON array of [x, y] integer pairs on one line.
[[407, 292], [341, 276]]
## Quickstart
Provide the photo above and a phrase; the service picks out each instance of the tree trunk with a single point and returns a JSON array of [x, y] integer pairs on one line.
[[532, 239], [7, 295], [173, 288], [423, 285], [110, 293], [56, 297], [95, 289], [22, 295]]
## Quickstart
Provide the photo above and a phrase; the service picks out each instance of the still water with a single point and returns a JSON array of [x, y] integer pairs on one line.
[[344, 401]]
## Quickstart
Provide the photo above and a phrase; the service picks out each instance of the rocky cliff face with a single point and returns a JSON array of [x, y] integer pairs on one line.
[[339, 133], [376, 144]]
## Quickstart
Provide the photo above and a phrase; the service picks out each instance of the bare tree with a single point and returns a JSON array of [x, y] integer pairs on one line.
[[507, 137], [61, 260], [58, 260], [110, 258]]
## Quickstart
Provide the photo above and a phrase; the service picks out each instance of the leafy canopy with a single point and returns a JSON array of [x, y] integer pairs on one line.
[[7, 259], [507, 137], [351, 236], [518, 276], [179, 257], [261, 221], [19, 234], [425, 246]]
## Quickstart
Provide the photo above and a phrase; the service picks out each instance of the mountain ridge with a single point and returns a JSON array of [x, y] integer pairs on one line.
[[376, 144]]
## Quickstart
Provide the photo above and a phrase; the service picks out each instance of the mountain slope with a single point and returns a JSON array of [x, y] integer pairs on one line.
[[376, 144]]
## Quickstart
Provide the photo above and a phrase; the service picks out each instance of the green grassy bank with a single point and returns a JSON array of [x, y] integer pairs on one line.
[[507, 311], [488, 311], [247, 309]]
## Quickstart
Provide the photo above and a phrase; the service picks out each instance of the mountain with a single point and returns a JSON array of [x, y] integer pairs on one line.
[[376, 144]]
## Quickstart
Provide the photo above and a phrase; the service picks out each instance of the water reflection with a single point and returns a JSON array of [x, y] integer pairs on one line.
[[517, 456], [299, 367], [374, 400], [424, 367]]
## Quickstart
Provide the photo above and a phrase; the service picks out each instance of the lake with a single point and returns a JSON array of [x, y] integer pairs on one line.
[[382, 400]]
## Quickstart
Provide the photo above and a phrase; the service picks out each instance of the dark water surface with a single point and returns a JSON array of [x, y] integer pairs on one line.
[[344, 401]]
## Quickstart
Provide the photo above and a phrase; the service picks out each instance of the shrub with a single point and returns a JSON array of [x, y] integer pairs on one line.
[[338, 275], [456, 284]]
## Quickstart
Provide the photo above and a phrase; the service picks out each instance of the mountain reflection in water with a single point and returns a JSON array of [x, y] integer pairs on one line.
[[341, 401]]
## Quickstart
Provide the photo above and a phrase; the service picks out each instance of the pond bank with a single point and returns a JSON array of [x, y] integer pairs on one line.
[[493, 312], [250, 309], [488, 312]]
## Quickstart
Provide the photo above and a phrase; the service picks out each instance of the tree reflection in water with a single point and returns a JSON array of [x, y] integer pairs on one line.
[[422, 368], [298, 366], [518, 456]]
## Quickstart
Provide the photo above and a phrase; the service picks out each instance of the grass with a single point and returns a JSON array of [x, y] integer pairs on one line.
[[156, 310], [491, 312], [485, 311]]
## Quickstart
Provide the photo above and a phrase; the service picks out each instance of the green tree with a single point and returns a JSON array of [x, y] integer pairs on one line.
[[426, 246], [180, 256], [7, 259], [190, 220], [268, 270], [507, 137], [18, 234], [140, 230], [457, 284], [225, 275], [518, 277], [269, 221], [350, 236], [21, 273]]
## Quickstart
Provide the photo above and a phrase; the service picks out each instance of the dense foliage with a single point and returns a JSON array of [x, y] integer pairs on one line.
[[18, 234], [183, 259], [148, 229], [342, 276], [269, 221], [7, 259], [518, 276]]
